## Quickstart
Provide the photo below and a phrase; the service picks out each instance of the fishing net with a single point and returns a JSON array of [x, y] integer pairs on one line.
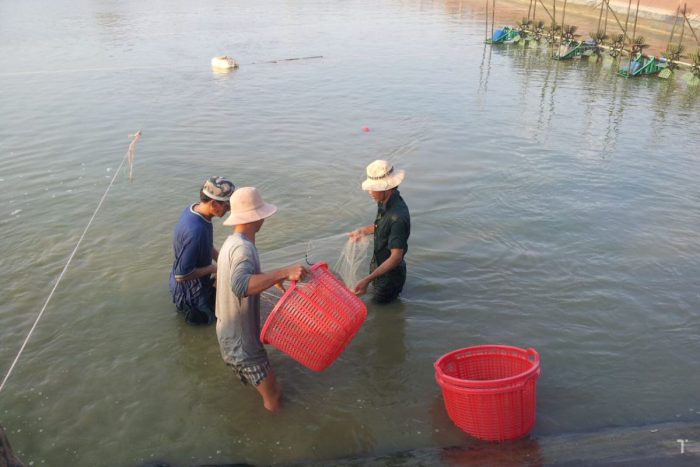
[[131, 152], [347, 259], [353, 263]]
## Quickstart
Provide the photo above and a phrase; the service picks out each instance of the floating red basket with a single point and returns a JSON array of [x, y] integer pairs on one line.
[[314, 321], [490, 390]]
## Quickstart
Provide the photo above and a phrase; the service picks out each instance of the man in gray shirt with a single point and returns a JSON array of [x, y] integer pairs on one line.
[[239, 284]]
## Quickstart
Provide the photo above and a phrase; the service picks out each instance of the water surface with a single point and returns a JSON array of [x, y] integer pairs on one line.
[[554, 206]]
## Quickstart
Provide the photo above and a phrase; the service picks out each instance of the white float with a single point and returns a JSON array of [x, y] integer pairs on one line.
[[223, 62]]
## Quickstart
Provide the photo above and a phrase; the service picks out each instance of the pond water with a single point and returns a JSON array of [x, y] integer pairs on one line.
[[554, 206]]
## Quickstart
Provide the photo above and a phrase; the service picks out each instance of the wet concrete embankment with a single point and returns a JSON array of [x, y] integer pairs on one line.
[[655, 22], [669, 444]]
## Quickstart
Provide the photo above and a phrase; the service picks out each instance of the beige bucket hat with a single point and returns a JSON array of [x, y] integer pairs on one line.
[[382, 176], [248, 206]]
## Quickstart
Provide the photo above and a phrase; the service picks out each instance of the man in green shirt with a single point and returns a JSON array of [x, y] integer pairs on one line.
[[391, 230]]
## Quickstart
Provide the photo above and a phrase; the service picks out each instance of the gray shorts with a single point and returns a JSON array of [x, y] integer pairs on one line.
[[253, 374]]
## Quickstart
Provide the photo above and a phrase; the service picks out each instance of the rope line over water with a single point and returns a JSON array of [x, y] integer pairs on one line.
[[151, 67], [65, 268]]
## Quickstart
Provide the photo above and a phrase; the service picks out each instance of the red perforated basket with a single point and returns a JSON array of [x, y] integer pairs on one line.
[[490, 391], [314, 321]]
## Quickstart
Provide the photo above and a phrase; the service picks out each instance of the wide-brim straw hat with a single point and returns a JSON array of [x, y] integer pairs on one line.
[[248, 206], [382, 176]]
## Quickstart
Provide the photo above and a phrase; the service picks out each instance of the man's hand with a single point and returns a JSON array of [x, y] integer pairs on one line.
[[296, 273], [361, 287], [357, 234]]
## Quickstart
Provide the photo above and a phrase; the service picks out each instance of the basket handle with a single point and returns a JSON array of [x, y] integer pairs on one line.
[[533, 353], [319, 265]]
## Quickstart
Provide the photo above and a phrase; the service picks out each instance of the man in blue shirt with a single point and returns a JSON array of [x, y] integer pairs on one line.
[[191, 284]]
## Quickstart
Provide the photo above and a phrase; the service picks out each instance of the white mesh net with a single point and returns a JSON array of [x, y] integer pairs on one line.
[[347, 259]]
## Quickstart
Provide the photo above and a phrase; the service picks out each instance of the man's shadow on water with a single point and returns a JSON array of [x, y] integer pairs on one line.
[[200, 348], [208, 378], [382, 349]]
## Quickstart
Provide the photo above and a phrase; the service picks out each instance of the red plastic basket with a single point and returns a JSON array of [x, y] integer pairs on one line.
[[490, 391], [314, 321]]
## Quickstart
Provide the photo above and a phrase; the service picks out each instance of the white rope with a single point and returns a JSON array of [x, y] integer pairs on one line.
[[65, 268], [12, 74]]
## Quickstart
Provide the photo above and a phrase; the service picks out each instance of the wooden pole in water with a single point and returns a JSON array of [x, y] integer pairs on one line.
[[563, 15], [546, 10], [629, 8], [487, 20], [534, 9], [605, 26], [675, 21], [680, 41], [617, 20], [529, 9], [554, 17], [600, 16], [634, 29], [561, 33], [634, 32], [690, 26], [493, 16]]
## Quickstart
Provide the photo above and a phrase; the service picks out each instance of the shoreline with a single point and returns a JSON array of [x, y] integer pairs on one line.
[[658, 444], [655, 22]]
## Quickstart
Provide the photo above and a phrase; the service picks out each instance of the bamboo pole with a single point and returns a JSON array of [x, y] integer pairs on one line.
[[600, 16], [624, 29], [634, 29], [493, 16], [563, 16], [680, 41], [486, 32], [675, 21], [690, 26], [605, 27], [634, 32], [545, 9], [629, 7], [561, 34]]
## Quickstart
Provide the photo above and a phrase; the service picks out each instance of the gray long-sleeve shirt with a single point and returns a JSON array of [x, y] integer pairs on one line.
[[238, 315]]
